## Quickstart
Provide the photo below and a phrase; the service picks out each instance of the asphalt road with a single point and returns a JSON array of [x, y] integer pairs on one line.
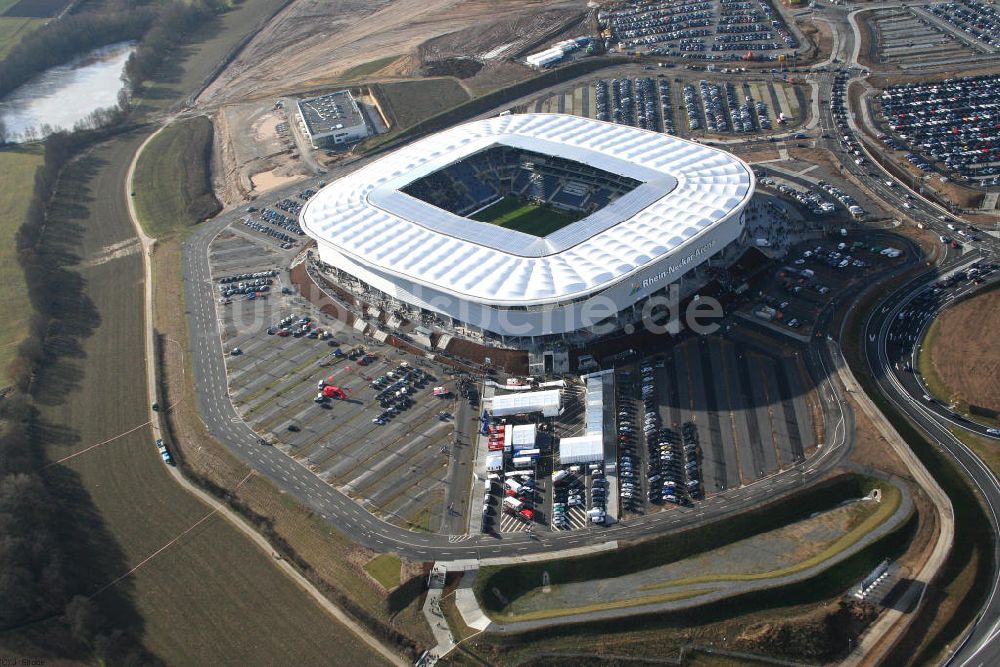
[[344, 514], [901, 387], [887, 359], [349, 517]]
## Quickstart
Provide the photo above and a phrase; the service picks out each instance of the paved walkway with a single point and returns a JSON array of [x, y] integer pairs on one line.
[[468, 606], [435, 617], [883, 634], [707, 592]]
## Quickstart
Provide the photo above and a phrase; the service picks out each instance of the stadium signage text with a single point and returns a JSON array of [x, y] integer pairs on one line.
[[673, 268]]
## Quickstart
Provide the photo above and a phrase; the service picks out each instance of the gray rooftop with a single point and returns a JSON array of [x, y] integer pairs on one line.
[[325, 113]]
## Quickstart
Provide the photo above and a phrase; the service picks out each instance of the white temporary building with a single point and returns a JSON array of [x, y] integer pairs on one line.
[[494, 462], [549, 403], [554, 53], [580, 450], [546, 57], [523, 436]]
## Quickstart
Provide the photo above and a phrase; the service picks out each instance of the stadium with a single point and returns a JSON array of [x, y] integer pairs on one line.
[[530, 228]]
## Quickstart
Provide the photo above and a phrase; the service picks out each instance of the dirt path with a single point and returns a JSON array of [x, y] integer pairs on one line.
[[148, 244], [316, 40]]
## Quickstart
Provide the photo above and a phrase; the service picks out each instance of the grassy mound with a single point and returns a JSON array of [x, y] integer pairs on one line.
[[173, 180]]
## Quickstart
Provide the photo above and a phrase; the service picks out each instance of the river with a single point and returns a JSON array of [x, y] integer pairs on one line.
[[61, 96]]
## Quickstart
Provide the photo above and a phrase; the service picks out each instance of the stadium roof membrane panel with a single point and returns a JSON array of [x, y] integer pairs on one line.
[[687, 188]]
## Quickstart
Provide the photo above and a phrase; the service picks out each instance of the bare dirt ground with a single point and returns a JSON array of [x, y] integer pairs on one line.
[[965, 356], [315, 40], [252, 153], [753, 154]]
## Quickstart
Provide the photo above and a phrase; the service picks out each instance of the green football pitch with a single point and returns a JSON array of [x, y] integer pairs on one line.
[[527, 217]]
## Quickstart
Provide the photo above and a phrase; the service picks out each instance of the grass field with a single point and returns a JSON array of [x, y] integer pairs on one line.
[[367, 68], [36, 8], [173, 184], [777, 622], [857, 521], [890, 503], [18, 166], [312, 538], [514, 581], [210, 596], [527, 217], [185, 72], [13, 30], [963, 363], [385, 569], [410, 102]]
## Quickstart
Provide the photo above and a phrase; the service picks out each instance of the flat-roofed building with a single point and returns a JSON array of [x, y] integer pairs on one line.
[[332, 119]]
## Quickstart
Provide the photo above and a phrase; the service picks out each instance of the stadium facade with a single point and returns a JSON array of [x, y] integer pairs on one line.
[[650, 210]]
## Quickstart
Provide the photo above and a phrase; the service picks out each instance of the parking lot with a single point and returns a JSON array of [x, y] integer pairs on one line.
[[820, 200], [712, 413], [525, 495], [715, 30], [363, 420], [682, 105], [815, 272], [708, 414], [375, 428], [913, 39], [950, 126], [971, 20]]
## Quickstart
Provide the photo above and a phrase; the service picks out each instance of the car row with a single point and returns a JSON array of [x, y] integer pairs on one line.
[[647, 105], [980, 20], [672, 465], [622, 102], [396, 390], [743, 120], [247, 287], [808, 198], [628, 460], [278, 220], [519, 496], [247, 276], [847, 200], [298, 327], [567, 492], [675, 465], [164, 452], [666, 108], [286, 240], [670, 27], [289, 206], [951, 125]]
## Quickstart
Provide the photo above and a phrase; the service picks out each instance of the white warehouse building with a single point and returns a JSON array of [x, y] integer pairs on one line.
[[646, 210], [332, 119]]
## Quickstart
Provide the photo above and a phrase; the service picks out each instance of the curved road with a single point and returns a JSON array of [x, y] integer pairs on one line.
[[887, 358], [349, 517]]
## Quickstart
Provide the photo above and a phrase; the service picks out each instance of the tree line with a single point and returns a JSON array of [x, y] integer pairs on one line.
[[58, 42], [39, 582], [159, 28], [171, 27]]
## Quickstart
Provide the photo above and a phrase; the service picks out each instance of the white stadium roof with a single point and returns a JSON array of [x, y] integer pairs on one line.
[[687, 188]]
